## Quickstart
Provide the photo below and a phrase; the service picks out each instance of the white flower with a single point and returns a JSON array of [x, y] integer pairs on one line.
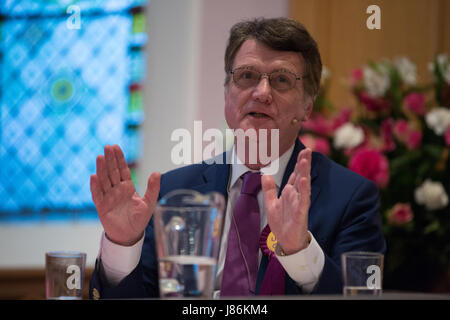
[[407, 70], [326, 73], [443, 65], [438, 120], [375, 82], [348, 136], [432, 195], [442, 60]]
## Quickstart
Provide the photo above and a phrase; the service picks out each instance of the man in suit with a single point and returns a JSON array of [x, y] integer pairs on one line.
[[314, 208]]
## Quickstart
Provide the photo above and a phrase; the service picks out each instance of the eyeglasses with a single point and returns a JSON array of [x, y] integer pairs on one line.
[[280, 80]]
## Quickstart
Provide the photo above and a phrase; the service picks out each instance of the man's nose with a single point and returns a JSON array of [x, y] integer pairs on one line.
[[263, 91]]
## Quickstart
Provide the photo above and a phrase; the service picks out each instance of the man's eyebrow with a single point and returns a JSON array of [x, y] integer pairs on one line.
[[246, 66], [251, 67], [283, 70]]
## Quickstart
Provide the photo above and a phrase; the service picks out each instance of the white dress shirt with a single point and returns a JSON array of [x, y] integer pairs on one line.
[[304, 267]]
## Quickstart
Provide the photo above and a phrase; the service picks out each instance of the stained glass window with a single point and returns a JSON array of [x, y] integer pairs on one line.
[[71, 75]]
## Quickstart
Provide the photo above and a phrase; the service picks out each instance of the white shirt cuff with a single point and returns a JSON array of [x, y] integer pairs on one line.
[[118, 261], [305, 266]]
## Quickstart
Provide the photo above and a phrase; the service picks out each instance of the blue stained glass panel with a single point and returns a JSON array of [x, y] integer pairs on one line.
[[64, 95], [49, 7]]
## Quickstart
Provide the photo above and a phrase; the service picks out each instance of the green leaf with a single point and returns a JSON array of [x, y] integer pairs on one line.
[[432, 227], [403, 160], [373, 65], [423, 170], [434, 151]]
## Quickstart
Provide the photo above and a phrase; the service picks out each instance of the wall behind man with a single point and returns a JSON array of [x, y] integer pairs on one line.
[[417, 29]]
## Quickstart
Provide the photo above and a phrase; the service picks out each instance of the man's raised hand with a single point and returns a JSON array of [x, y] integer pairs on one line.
[[288, 215], [122, 212]]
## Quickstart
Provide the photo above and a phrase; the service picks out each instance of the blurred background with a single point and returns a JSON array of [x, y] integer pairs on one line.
[[76, 75]]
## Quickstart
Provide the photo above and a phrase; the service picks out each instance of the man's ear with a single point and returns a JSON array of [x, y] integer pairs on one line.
[[226, 87], [309, 104], [225, 93]]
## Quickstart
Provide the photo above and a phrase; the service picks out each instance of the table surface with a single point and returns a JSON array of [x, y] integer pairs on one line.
[[385, 296]]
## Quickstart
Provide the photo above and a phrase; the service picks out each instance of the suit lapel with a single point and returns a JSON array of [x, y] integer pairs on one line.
[[291, 165], [215, 178]]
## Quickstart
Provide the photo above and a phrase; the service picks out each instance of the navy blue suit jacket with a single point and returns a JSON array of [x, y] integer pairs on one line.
[[344, 216]]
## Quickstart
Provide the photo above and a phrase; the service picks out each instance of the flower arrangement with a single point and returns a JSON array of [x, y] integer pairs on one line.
[[398, 136]]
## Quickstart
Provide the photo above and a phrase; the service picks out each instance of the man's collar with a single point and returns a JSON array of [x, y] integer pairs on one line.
[[238, 168]]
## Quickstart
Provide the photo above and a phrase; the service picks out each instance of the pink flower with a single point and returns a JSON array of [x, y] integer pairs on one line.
[[356, 76], [416, 103], [374, 104], [404, 133], [323, 146], [371, 164], [400, 214], [447, 136], [316, 144], [318, 124], [386, 135], [342, 117], [414, 139], [401, 130]]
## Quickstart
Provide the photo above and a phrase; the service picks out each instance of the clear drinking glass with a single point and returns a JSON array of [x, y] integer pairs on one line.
[[362, 273], [188, 228], [64, 275]]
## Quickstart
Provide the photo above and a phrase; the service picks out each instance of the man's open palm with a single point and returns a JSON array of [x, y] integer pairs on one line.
[[122, 212], [287, 216]]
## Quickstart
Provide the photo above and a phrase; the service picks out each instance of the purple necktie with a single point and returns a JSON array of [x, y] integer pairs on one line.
[[241, 262]]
